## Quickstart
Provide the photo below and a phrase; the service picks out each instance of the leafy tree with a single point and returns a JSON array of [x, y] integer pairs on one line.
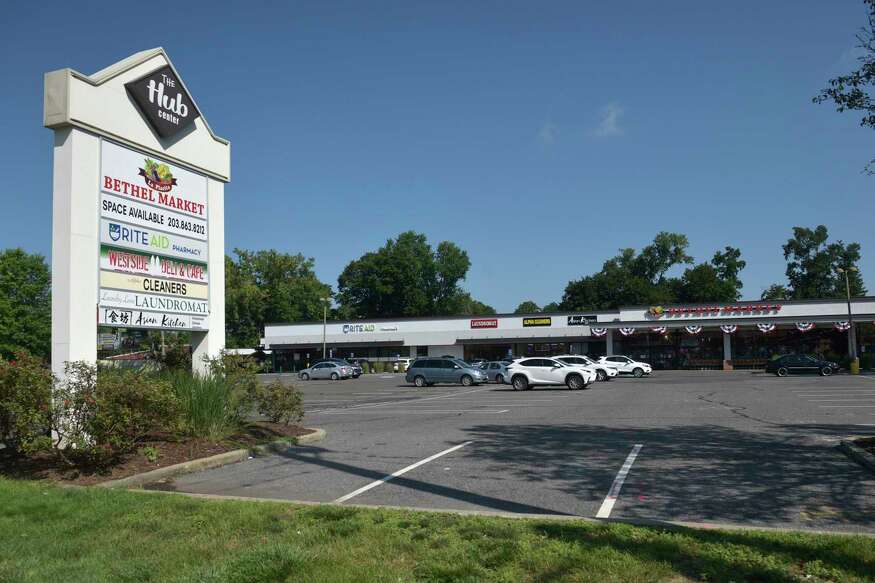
[[471, 307], [716, 281], [551, 307], [849, 92], [406, 277], [631, 278], [776, 291], [812, 266], [527, 307], [25, 303], [269, 286]]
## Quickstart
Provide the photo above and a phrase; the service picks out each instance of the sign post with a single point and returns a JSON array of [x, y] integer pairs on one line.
[[138, 208]]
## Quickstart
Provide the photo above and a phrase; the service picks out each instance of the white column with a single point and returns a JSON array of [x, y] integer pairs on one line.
[[727, 351], [210, 344], [75, 247], [609, 342]]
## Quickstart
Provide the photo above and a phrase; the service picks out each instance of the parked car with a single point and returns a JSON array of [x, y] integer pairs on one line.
[[801, 364], [360, 362], [496, 371], [478, 362], [402, 364], [604, 371], [528, 372], [425, 372], [626, 365], [326, 370], [356, 369]]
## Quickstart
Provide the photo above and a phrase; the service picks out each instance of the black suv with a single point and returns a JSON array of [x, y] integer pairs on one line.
[[800, 364]]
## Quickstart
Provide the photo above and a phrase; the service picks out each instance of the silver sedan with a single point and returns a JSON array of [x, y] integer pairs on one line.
[[326, 370], [496, 371]]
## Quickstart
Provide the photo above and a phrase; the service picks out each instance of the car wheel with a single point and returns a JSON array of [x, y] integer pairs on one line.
[[638, 373], [601, 375], [826, 371], [467, 381], [575, 382], [499, 379], [335, 376], [782, 372], [305, 377], [520, 383], [419, 381]]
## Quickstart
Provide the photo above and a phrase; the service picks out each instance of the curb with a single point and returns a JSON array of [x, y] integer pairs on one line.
[[858, 454], [215, 461], [646, 522]]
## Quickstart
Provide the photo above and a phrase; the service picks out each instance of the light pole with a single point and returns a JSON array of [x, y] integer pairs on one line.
[[324, 323], [852, 332]]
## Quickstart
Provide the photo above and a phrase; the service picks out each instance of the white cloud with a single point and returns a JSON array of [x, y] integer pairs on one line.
[[609, 121], [547, 133]]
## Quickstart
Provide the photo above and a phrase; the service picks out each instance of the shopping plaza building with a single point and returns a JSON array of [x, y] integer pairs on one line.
[[701, 336]]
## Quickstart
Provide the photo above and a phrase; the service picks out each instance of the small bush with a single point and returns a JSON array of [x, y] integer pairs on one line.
[[211, 407], [378, 366], [280, 402], [99, 417], [25, 403]]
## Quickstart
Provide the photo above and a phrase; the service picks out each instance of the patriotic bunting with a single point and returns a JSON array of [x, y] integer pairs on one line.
[[766, 328], [693, 329], [729, 328], [627, 331], [659, 329], [842, 326], [598, 331], [804, 326]]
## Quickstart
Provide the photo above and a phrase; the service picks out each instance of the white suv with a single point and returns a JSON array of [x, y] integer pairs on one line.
[[604, 371], [626, 365], [524, 373]]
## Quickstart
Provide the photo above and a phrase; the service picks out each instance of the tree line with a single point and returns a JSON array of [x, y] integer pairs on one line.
[[408, 277]]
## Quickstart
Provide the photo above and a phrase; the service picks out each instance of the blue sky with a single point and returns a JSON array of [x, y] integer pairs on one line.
[[539, 136]]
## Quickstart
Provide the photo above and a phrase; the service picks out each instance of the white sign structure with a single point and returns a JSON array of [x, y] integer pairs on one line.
[[138, 216]]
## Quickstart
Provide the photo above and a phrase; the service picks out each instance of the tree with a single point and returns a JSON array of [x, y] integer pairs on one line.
[[471, 307], [551, 307], [812, 265], [527, 307], [405, 277], [269, 286], [716, 281], [776, 291], [849, 92], [630, 278], [25, 304]]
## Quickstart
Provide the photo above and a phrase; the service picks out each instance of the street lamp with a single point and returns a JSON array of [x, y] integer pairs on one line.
[[852, 333], [324, 322]]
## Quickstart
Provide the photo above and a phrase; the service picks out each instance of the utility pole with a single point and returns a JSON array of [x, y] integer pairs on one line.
[[852, 332], [324, 324]]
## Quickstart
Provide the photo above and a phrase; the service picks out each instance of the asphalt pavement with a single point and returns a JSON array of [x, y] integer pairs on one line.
[[711, 447]]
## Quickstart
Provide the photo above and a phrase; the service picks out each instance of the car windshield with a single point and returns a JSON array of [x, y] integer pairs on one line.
[[462, 363]]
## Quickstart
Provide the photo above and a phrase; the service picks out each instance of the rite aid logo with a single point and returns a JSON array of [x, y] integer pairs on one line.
[[139, 237], [356, 328], [163, 100]]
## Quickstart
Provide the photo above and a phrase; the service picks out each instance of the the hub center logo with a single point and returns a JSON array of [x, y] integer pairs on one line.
[[164, 101]]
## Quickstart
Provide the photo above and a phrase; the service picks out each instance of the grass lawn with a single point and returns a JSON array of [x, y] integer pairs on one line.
[[56, 534]]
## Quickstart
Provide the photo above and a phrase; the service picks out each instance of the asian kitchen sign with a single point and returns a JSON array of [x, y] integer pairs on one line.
[[153, 243]]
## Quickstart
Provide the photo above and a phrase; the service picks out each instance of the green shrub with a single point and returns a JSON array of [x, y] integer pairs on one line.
[[101, 416], [378, 367], [211, 406], [280, 402], [867, 360], [25, 403]]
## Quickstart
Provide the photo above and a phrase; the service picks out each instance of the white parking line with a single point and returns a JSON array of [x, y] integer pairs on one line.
[[608, 504], [840, 393], [405, 401], [846, 406], [848, 400], [400, 472]]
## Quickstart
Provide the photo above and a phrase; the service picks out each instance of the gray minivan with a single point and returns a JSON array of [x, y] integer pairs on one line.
[[424, 372]]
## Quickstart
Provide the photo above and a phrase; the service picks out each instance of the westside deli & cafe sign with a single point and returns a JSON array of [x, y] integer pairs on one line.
[[153, 231]]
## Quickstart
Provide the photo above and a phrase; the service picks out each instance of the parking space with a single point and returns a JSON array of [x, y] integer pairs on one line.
[[715, 447]]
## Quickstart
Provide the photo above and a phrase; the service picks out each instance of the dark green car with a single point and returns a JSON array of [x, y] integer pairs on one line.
[[424, 372]]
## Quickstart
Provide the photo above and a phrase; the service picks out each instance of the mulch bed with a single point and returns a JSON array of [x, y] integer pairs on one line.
[[171, 450]]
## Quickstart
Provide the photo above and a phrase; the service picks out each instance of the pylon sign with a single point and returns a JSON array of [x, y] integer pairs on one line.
[[138, 217]]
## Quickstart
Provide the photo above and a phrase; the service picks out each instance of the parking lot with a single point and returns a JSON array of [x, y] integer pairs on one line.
[[713, 447]]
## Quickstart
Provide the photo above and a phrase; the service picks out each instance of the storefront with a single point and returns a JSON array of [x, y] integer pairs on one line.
[[705, 336]]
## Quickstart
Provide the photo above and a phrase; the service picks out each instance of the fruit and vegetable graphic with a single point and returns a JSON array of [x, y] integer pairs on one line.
[[157, 175]]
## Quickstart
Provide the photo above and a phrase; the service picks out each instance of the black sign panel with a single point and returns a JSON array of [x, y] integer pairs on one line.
[[164, 101], [578, 320], [532, 322]]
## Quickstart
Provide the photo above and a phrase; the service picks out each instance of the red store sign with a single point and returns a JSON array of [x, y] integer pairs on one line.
[[730, 310], [484, 323]]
